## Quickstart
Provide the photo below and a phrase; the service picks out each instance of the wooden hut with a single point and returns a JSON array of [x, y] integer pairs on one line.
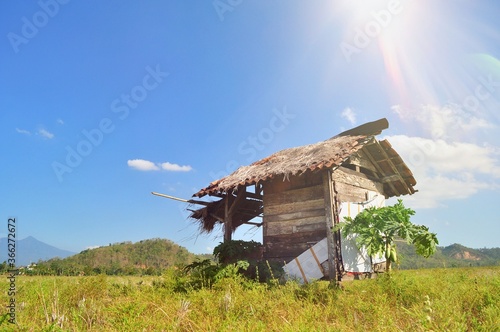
[[301, 192]]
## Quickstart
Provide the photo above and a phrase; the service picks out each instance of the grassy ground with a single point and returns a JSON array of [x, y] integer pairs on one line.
[[462, 299]]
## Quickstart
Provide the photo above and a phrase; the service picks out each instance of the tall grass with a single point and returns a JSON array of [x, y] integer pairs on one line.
[[465, 299]]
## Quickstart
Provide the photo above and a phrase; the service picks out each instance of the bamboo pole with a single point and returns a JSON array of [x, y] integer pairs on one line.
[[171, 197], [181, 199]]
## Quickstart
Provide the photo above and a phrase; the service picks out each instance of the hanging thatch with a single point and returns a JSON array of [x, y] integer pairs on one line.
[[213, 214]]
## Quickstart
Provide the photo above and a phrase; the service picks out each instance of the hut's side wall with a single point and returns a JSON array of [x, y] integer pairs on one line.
[[294, 216], [352, 186]]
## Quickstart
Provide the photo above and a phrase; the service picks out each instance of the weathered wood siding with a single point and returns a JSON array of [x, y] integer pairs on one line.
[[352, 186], [294, 209], [294, 216]]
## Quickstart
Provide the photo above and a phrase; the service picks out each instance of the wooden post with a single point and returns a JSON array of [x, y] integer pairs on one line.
[[228, 220], [339, 264], [329, 217], [230, 208]]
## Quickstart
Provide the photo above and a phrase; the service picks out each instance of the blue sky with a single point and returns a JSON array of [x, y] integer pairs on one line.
[[103, 102]]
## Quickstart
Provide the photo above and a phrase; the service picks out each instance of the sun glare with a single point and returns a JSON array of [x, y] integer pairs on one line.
[[423, 49]]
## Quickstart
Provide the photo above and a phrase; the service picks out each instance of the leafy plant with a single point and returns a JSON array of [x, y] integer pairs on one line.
[[232, 251], [376, 229]]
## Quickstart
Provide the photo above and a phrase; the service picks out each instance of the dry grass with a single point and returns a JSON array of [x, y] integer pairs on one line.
[[440, 299]]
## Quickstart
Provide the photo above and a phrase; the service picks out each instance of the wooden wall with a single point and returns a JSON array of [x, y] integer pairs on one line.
[[294, 209], [294, 216], [352, 186]]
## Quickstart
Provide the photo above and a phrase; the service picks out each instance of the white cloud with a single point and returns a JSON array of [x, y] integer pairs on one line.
[[349, 114], [446, 171], [447, 122], [444, 157], [45, 133], [23, 131], [142, 165], [61, 122], [146, 165], [175, 168]]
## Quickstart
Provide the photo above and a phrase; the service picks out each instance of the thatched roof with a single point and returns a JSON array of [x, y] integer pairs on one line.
[[289, 162], [313, 157]]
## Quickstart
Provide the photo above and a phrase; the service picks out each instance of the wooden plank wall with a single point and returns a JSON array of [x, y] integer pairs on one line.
[[294, 216], [294, 210], [352, 186]]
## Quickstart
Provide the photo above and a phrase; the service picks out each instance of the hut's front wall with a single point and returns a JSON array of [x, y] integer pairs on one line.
[[294, 209], [294, 216]]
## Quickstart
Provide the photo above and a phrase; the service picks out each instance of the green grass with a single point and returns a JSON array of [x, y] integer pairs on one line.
[[462, 299]]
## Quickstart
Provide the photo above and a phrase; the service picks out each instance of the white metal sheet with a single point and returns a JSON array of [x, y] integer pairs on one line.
[[307, 266], [356, 260]]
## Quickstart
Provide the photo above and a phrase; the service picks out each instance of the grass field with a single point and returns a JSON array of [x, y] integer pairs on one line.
[[461, 299]]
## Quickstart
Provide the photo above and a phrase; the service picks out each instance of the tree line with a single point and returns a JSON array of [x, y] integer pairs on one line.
[[147, 257]]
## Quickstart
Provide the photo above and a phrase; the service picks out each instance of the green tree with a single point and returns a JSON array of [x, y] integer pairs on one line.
[[376, 229]]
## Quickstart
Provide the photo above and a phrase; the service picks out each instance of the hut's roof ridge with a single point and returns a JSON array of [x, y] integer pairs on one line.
[[296, 160]]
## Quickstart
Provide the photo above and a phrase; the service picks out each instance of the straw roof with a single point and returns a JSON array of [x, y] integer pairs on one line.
[[327, 154]]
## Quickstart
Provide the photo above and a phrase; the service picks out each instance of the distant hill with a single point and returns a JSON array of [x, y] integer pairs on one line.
[[125, 258], [155, 255], [455, 255], [31, 250]]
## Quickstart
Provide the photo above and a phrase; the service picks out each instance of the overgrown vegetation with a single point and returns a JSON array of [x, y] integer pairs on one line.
[[250, 251], [461, 299]]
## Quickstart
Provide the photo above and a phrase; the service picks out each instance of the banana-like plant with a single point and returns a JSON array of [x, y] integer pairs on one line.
[[377, 228]]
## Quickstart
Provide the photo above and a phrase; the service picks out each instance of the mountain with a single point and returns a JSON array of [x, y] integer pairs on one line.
[[455, 255], [125, 258], [31, 250]]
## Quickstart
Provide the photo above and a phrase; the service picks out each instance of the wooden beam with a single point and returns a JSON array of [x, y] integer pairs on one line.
[[229, 210], [379, 169], [255, 196], [329, 214], [390, 178], [337, 239], [170, 197], [182, 199], [391, 164], [253, 223], [239, 198], [228, 220], [258, 188]]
